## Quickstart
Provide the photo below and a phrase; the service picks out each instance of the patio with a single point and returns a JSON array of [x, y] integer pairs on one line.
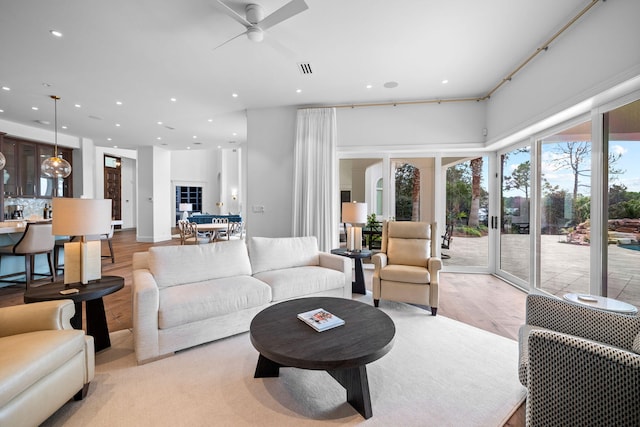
[[564, 267]]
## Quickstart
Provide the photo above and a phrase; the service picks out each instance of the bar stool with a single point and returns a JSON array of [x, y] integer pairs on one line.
[[37, 239], [58, 246]]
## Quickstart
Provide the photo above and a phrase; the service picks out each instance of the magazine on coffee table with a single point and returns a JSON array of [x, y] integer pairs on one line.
[[320, 319]]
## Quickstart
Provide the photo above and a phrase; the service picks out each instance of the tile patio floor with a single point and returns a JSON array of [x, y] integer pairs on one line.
[[564, 267]]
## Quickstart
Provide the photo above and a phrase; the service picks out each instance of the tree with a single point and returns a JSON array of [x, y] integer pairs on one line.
[[576, 156], [476, 191], [520, 179], [405, 180]]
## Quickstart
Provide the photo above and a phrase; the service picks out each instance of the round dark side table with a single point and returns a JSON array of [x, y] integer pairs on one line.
[[91, 294], [358, 286]]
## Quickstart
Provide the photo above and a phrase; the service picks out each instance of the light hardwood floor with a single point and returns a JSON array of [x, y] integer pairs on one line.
[[477, 299]]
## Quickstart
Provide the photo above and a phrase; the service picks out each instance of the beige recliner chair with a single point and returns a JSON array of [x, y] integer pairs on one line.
[[406, 269], [43, 361]]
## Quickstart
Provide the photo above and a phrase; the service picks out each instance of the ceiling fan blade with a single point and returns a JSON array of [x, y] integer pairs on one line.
[[230, 40], [280, 48], [290, 9], [231, 13]]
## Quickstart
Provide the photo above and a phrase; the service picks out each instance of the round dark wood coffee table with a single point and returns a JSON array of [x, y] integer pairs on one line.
[[285, 341], [92, 294]]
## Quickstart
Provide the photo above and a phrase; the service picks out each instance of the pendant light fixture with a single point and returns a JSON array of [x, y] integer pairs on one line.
[[55, 167]]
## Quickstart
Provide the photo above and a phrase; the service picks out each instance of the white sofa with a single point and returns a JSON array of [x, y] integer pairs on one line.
[[184, 296]]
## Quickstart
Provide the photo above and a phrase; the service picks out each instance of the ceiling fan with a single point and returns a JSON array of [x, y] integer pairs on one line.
[[254, 20]]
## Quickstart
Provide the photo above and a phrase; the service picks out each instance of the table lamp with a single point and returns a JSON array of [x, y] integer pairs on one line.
[[354, 213], [87, 219], [185, 208]]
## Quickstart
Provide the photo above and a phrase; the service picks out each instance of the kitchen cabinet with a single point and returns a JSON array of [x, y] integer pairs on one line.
[[22, 175]]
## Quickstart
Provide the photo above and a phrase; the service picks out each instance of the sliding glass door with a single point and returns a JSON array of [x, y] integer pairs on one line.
[[465, 241], [514, 221], [622, 214], [565, 210]]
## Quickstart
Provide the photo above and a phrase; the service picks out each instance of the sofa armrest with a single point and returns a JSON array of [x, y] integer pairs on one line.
[[338, 263], [146, 303], [618, 330], [574, 381], [19, 319]]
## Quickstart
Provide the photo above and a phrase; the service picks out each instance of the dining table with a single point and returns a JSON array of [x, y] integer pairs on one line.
[[214, 229]]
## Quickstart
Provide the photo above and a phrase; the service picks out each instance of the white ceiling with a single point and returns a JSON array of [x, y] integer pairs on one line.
[[144, 52]]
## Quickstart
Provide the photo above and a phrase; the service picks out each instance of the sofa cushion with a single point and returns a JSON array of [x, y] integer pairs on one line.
[[405, 273], [177, 265], [203, 300], [27, 358], [267, 253], [300, 281]]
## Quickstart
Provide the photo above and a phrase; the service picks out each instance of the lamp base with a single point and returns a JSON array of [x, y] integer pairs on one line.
[[82, 262]]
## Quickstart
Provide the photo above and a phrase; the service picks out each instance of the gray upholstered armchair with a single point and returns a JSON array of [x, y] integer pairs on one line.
[[406, 269], [580, 365]]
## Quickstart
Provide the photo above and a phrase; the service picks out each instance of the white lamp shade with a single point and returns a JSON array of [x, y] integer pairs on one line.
[[354, 213], [186, 207], [81, 217]]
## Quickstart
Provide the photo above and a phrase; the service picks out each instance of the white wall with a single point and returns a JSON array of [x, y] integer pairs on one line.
[[372, 129], [269, 165], [601, 50], [198, 168], [154, 196]]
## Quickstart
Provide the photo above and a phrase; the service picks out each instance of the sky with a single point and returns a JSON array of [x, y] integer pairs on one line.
[[629, 164]]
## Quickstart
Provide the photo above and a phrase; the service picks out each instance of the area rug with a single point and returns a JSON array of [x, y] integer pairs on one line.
[[440, 372]]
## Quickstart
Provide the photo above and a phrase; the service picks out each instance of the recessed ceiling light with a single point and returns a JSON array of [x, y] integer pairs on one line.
[[391, 85], [78, 106], [117, 125], [108, 139], [159, 138], [115, 146], [235, 134], [159, 123], [118, 102], [195, 137], [63, 127], [55, 33], [1, 111], [219, 146], [6, 88], [188, 148], [34, 108], [445, 81], [173, 100], [210, 120], [235, 95], [298, 90], [369, 86]]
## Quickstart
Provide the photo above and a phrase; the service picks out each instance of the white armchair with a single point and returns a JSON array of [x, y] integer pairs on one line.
[[405, 269], [44, 362]]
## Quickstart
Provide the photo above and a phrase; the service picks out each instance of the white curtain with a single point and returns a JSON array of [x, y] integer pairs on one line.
[[314, 207]]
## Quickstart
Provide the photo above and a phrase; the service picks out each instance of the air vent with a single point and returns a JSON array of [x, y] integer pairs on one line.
[[305, 68], [170, 128], [95, 117]]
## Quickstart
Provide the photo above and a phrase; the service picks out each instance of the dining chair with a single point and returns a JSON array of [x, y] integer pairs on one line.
[[217, 235], [37, 239]]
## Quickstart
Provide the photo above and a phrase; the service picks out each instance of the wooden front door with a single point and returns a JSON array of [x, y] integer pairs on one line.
[[112, 185]]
